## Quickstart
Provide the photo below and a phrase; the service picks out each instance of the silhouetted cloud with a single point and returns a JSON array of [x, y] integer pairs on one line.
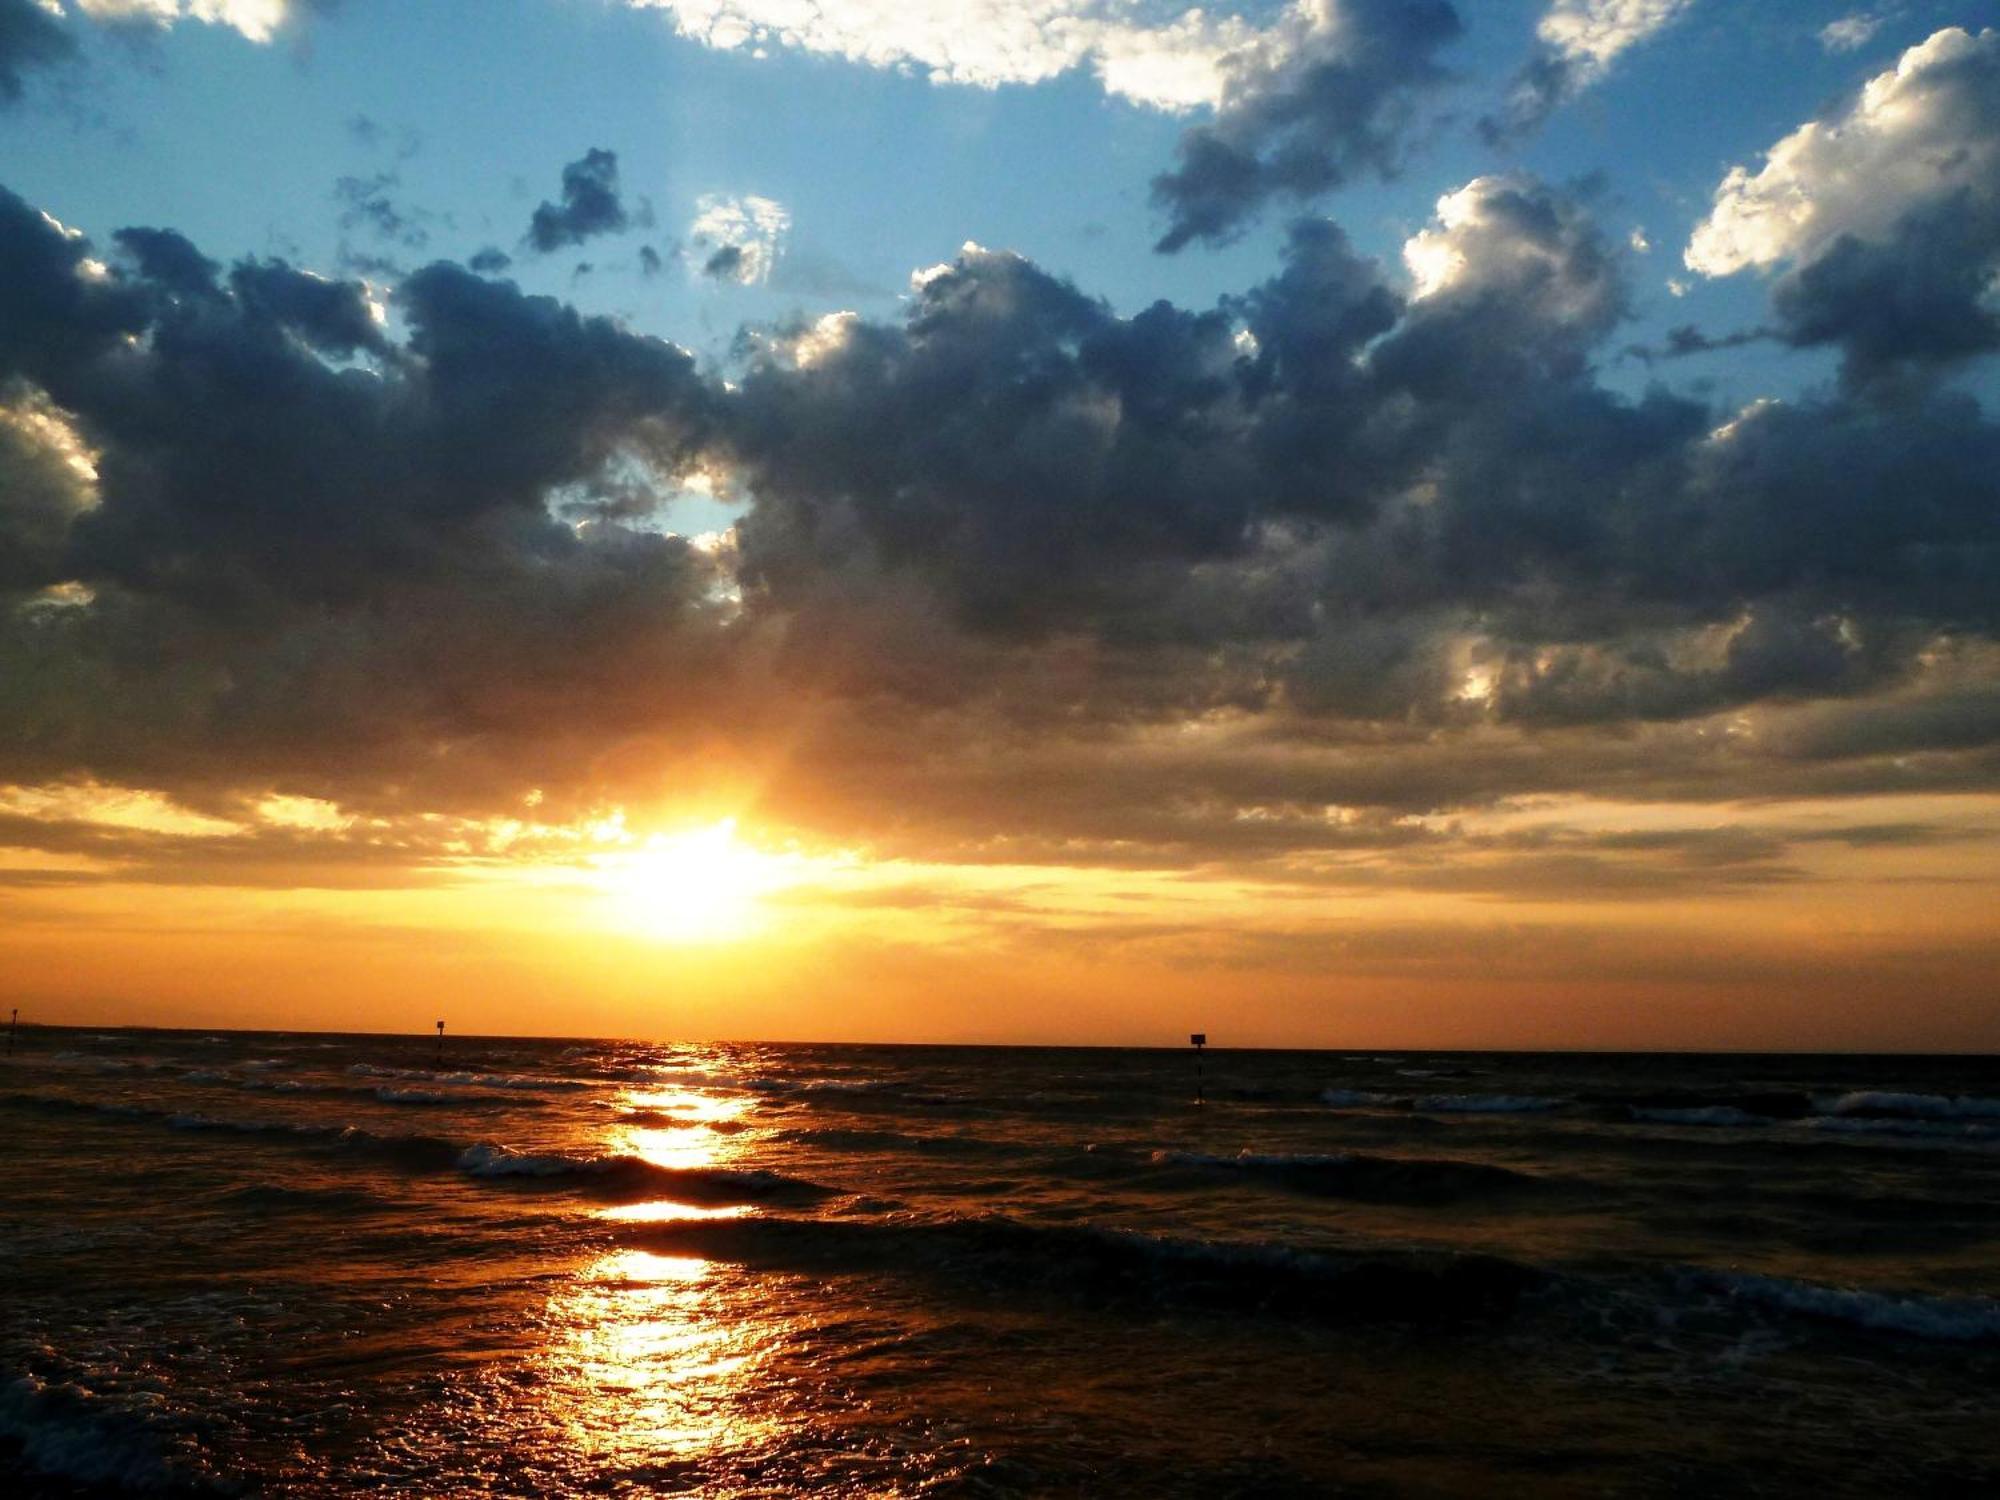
[[1577, 42], [30, 38], [1329, 92], [742, 237], [590, 204]]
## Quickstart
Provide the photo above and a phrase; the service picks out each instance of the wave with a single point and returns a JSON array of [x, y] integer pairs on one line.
[[1123, 1266], [1353, 1098], [386, 1093], [634, 1176], [1371, 1179], [72, 1436], [1487, 1104], [821, 1085], [1907, 1129], [1951, 1319], [299, 1198], [1871, 1103], [1711, 1114], [833, 1139], [526, 1082]]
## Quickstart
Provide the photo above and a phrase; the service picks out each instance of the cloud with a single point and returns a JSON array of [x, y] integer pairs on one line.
[[1255, 583], [368, 203], [1305, 96], [1163, 55], [1578, 40], [1850, 33], [738, 239], [30, 38], [590, 204], [257, 20], [1884, 214], [1329, 92]]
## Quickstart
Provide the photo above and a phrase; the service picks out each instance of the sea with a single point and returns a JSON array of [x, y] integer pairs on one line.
[[304, 1264]]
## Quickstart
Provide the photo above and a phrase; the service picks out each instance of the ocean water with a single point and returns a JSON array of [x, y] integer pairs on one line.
[[315, 1265]]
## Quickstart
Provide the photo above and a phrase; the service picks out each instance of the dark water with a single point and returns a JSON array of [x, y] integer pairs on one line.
[[297, 1264]]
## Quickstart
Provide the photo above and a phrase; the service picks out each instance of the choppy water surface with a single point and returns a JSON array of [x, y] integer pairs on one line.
[[301, 1264]]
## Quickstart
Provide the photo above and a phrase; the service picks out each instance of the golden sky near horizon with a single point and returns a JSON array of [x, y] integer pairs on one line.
[[1769, 926]]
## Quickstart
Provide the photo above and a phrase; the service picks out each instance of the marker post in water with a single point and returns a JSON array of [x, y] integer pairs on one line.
[[13, 1023], [1197, 1040], [440, 1051]]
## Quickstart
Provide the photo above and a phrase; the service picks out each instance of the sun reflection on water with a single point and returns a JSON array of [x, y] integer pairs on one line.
[[671, 1213], [648, 1365], [682, 1129], [653, 1357]]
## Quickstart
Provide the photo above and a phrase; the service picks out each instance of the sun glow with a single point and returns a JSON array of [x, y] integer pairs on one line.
[[700, 886]]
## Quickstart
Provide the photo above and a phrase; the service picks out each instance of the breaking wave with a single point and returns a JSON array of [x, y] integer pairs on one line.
[[1881, 1105], [1952, 1319], [632, 1175], [1712, 1114]]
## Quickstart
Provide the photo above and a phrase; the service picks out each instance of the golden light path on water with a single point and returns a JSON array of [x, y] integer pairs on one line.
[[655, 1359], [650, 1365]]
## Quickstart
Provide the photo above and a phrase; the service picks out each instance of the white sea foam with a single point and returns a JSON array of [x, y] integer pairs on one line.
[[488, 1160], [389, 1095], [1351, 1098]]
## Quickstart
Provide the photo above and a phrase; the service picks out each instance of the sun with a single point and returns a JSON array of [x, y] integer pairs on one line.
[[700, 886]]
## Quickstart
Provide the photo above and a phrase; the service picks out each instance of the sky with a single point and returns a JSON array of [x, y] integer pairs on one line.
[[1350, 523]]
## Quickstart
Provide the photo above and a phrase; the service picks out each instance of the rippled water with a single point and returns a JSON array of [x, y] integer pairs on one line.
[[302, 1264]]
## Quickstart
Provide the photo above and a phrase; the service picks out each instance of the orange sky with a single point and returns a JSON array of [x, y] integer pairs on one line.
[[1865, 940]]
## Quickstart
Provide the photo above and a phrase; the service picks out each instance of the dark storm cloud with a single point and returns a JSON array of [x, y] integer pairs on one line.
[[1243, 583], [30, 38], [1330, 94], [1923, 296], [1685, 340], [725, 264], [299, 534], [369, 203], [169, 261], [1044, 463], [1899, 274], [590, 204], [1545, 83]]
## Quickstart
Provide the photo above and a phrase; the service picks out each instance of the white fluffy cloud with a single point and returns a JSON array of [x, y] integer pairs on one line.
[[1923, 131], [1514, 238], [737, 238], [1154, 52], [1588, 34], [258, 20]]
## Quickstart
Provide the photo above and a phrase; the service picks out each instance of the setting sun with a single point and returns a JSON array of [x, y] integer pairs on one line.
[[699, 886]]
